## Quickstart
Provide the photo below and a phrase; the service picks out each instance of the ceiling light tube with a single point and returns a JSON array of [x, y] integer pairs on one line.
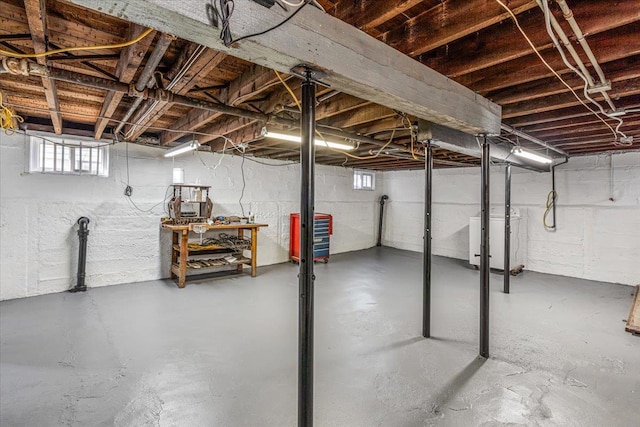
[[524, 153], [317, 141], [182, 148]]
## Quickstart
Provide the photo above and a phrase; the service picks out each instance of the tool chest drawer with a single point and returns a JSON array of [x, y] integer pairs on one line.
[[322, 230]]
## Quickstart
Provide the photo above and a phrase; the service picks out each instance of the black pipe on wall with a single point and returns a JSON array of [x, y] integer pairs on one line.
[[83, 234], [383, 199]]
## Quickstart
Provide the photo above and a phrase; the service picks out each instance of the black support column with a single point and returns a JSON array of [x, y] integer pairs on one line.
[[507, 227], [484, 252], [306, 276], [426, 253]]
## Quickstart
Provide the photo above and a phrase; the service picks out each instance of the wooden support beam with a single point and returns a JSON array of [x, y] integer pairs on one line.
[[599, 147], [563, 115], [554, 102], [368, 14], [130, 59], [449, 21], [569, 125], [325, 43], [381, 126], [501, 43], [245, 134], [37, 17], [251, 83], [227, 126], [153, 110], [339, 104], [615, 71], [366, 114], [609, 46], [630, 125]]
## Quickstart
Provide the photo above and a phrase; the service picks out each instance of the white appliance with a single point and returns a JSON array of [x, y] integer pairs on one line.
[[496, 241]]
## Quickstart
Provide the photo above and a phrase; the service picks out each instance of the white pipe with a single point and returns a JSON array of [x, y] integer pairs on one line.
[[585, 76], [565, 41], [568, 15]]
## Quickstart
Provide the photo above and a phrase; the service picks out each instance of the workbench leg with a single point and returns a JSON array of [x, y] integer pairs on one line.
[[254, 252], [174, 253], [240, 236], [184, 253]]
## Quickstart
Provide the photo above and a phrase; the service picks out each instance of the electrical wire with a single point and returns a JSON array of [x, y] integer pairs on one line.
[[129, 190], [552, 198], [260, 33], [409, 127], [77, 48], [222, 13], [288, 88], [297, 101], [555, 73], [8, 118]]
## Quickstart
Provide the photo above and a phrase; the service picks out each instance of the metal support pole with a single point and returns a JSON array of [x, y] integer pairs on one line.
[[484, 252], [507, 227], [306, 276], [426, 253], [554, 197], [83, 234]]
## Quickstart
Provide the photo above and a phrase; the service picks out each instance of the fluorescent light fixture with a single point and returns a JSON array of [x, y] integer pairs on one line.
[[182, 148], [521, 152], [317, 141]]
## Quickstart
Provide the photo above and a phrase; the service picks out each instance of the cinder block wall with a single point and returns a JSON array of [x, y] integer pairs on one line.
[[38, 240], [596, 239]]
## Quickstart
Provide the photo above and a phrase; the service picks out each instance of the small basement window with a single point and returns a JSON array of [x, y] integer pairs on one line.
[[68, 156], [364, 180]]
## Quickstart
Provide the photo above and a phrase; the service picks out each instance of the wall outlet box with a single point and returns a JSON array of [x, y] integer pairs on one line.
[[266, 3]]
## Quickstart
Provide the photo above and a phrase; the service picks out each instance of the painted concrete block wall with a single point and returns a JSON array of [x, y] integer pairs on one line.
[[38, 213], [596, 239]]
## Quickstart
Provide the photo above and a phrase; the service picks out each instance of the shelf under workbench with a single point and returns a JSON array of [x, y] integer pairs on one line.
[[181, 249]]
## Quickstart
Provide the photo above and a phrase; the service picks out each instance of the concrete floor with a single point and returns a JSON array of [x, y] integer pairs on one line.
[[223, 352]]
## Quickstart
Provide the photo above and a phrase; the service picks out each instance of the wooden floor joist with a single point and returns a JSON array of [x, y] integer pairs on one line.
[[329, 45], [37, 17]]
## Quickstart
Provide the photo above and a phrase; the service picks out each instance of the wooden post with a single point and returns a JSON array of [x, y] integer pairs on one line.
[[254, 251], [184, 253]]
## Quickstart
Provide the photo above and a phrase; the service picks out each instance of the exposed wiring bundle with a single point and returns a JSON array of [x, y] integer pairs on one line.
[[77, 48], [219, 13], [9, 121]]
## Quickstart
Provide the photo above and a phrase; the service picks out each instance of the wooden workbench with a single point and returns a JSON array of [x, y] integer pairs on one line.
[[180, 250]]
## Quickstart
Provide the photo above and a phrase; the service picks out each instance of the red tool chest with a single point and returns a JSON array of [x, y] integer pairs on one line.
[[322, 230]]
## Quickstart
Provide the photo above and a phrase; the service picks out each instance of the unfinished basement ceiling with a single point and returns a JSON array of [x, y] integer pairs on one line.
[[474, 42]]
